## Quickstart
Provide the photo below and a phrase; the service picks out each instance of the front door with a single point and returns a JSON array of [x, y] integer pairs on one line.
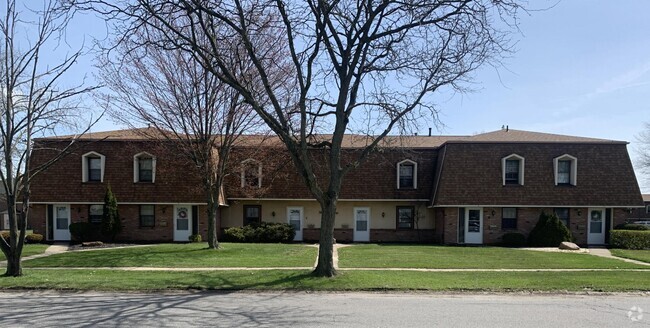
[[474, 226], [361, 224], [61, 222], [295, 215], [182, 222], [596, 226]]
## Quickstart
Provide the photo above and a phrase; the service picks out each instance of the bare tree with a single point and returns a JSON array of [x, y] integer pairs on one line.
[[643, 162], [32, 104], [357, 66], [188, 105]]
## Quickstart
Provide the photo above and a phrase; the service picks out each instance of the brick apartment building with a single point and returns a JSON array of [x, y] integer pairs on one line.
[[443, 189]]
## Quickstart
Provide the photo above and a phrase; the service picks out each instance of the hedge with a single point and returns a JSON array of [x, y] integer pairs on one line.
[[513, 239], [264, 232], [631, 226], [630, 239]]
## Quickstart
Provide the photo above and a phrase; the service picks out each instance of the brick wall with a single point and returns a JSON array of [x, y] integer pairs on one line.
[[472, 174], [177, 180]]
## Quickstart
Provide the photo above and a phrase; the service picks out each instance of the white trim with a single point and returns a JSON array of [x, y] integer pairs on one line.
[[522, 165], [415, 173], [340, 200], [84, 165], [136, 171], [574, 168], [259, 172]]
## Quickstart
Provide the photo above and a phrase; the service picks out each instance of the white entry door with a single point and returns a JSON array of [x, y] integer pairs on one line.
[[295, 216], [182, 222], [474, 226], [596, 227], [361, 224], [61, 222]]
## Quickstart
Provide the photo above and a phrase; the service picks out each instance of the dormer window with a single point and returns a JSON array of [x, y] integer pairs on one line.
[[566, 169], [92, 167], [251, 175], [407, 174], [513, 170], [144, 167]]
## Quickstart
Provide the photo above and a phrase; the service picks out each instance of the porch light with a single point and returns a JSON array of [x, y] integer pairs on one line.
[[579, 212], [273, 214]]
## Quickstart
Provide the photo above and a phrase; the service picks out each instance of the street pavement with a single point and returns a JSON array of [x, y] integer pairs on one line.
[[290, 309]]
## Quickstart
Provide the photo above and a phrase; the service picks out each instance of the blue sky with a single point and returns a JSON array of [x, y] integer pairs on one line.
[[581, 68]]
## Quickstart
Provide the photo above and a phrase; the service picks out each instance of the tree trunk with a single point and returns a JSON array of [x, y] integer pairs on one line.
[[213, 215], [325, 266], [14, 265]]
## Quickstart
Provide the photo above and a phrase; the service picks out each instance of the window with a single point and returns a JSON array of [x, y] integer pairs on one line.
[[147, 216], [405, 216], [563, 215], [252, 214], [513, 170], [144, 167], [647, 208], [509, 218], [92, 166], [95, 213], [566, 168], [407, 174], [251, 175]]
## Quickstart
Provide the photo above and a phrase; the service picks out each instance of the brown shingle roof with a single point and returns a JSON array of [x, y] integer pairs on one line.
[[511, 135], [359, 141]]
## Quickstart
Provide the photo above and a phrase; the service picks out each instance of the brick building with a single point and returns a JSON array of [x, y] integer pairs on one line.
[[445, 189]]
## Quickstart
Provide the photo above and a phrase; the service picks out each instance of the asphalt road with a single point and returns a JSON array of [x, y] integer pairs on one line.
[[51, 309]]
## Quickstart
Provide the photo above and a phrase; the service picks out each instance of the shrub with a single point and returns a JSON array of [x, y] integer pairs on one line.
[[549, 232], [260, 233], [81, 231], [33, 238], [111, 224], [514, 239], [195, 238], [631, 226], [234, 234], [630, 239]]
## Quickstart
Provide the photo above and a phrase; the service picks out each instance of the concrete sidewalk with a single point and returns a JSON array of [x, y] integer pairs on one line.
[[604, 252]]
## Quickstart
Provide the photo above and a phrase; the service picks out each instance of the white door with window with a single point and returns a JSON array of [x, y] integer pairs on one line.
[[61, 222], [182, 222], [474, 226], [295, 217], [596, 226], [361, 224]]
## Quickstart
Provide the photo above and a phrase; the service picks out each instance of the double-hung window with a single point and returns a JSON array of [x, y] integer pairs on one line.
[[407, 174], [405, 217], [509, 218]]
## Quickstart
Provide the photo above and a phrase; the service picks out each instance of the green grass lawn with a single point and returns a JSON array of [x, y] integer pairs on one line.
[[639, 255], [446, 257], [186, 256], [98, 279], [28, 250]]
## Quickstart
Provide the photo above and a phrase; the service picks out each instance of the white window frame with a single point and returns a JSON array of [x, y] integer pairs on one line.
[[84, 165], [136, 166], [415, 173], [522, 165], [259, 172], [573, 180]]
